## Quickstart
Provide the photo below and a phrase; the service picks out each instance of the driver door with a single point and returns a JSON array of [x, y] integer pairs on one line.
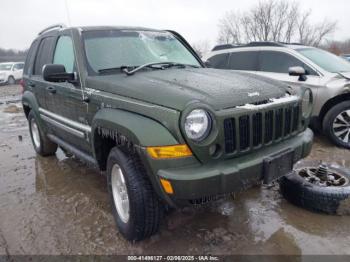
[[65, 100]]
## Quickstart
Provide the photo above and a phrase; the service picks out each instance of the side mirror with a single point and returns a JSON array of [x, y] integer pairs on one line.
[[298, 71], [57, 73]]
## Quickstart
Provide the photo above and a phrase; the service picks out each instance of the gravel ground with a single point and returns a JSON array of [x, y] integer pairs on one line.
[[58, 205], [10, 90]]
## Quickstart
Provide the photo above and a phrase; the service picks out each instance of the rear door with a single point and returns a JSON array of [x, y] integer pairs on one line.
[[65, 100], [36, 82], [18, 71], [243, 61]]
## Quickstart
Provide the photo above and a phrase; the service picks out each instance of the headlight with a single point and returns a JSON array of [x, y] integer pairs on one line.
[[306, 103], [197, 124]]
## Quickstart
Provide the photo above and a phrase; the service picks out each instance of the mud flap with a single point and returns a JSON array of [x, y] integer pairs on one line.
[[277, 165]]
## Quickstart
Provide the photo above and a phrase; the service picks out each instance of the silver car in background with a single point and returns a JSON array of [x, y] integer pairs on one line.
[[326, 74], [11, 72], [346, 57]]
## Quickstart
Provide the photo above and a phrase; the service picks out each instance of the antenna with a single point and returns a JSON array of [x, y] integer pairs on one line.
[[74, 49], [67, 13]]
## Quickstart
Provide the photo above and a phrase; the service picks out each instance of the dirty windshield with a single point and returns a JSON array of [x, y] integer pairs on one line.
[[117, 48]]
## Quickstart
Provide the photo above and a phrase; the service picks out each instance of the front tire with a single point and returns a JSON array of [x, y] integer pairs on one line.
[[336, 124], [42, 145], [136, 208]]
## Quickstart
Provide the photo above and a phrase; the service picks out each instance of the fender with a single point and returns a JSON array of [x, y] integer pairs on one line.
[[28, 99], [140, 130]]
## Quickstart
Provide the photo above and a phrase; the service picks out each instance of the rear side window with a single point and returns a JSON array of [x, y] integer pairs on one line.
[[243, 61], [28, 67], [64, 53], [219, 61], [44, 55], [18, 66], [279, 62]]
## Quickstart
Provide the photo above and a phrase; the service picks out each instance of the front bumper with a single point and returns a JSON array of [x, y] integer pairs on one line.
[[192, 183]]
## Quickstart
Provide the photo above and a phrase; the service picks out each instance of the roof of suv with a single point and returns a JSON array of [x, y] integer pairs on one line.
[[259, 44], [60, 27]]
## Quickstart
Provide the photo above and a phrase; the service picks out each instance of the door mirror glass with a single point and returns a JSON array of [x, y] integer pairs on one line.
[[298, 71], [57, 73]]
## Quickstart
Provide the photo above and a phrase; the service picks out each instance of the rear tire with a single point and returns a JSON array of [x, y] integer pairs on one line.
[[11, 80], [42, 145], [135, 206], [336, 124]]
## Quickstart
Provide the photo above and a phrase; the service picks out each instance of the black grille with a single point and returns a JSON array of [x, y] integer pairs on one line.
[[260, 128], [295, 118], [244, 132], [279, 123], [230, 135], [257, 129], [287, 121], [268, 126]]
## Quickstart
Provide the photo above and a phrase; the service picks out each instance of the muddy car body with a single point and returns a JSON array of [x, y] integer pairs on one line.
[[171, 133]]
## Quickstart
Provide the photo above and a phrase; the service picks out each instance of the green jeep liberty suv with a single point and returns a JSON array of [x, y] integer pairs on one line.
[[166, 131]]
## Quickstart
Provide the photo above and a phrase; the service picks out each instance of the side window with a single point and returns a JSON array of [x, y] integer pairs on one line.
[[18, 66], [278, 62], [218, 61], [28, 66], [44, 55], [64, 53], [243, 61]]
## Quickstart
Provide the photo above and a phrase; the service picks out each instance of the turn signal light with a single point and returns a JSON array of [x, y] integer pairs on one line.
[[167, 186], [164, 152]]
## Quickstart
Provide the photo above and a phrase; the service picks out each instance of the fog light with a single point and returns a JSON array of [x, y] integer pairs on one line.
[[167, 186], [164, 152]]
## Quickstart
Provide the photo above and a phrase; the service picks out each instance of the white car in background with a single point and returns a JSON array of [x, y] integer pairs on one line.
[[11, 72]]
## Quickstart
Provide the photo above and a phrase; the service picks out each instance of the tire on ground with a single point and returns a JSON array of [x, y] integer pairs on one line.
[[47, 147], [328, 120], [145, 208], [329, 200], [11, 80]]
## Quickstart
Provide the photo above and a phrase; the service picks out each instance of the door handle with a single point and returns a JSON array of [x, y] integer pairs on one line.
[[51, 90], [31, 84]]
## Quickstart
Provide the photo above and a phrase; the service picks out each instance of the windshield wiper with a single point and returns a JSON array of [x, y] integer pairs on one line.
[[113, 69], [130, 70], [163, 66], [341, 73]]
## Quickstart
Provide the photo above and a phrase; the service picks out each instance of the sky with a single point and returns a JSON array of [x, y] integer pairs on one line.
[[196, 20]]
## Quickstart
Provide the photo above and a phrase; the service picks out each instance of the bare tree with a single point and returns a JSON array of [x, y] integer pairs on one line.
[[313, 34], [273, 20], [201, 47], [230, 28]]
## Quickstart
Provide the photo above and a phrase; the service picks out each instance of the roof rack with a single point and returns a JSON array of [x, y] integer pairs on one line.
[[221, 47], [285, 43], [251, 44], [265, 44], [51, 28]]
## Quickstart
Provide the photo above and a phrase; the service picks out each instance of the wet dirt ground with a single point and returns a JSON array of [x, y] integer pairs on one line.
[[58, 205]]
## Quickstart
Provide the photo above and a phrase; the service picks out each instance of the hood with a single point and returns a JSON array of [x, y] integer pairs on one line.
[[176, 88]]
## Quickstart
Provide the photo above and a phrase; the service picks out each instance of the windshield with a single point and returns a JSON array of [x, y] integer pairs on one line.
[[5, 67], [326, 60], [117, 48]]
